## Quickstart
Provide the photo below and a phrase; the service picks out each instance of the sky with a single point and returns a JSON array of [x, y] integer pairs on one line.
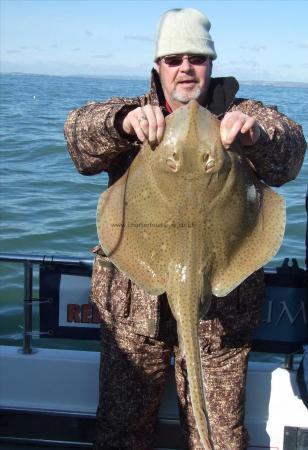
[[254, 39]]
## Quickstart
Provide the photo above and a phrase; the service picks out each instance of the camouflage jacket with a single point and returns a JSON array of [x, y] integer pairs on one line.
[[96, 143]]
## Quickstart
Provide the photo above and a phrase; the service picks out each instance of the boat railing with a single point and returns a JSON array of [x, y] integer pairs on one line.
[[28, 262]]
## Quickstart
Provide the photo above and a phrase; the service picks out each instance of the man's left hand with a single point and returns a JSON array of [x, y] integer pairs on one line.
[[237, 124]]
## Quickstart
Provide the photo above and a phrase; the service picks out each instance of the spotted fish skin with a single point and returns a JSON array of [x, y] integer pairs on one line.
[[192, 220]]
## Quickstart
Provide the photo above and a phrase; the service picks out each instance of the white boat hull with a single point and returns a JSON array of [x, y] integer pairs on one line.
[[66, 382]]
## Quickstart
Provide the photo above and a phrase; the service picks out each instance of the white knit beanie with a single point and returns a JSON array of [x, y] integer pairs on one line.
[[184, 31]]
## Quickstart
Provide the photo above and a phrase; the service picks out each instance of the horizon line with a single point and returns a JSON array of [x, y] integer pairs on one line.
[[144, 77]]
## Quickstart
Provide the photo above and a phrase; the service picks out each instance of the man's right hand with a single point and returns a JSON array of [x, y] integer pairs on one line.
[[147, 123]]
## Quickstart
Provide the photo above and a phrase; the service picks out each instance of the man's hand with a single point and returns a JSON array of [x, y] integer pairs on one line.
[[237, 124], [147, 123]]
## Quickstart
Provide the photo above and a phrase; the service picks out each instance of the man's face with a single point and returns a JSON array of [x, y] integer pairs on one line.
[[184, 82]]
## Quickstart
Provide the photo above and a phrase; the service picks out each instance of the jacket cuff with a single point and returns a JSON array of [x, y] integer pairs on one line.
[[264, 138], [118, 122]]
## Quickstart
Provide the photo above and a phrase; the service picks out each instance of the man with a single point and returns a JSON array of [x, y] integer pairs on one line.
[[138, 330]]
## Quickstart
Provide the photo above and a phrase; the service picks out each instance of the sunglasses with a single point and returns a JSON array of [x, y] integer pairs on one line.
[[176, 60]]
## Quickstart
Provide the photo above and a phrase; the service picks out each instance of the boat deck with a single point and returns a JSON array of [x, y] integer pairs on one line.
[[29, 446], [21, 446]]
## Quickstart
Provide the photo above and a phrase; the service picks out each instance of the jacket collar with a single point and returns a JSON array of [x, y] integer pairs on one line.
[[221, 93]]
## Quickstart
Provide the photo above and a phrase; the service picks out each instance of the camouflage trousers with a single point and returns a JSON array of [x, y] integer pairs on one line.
[[134, 369]]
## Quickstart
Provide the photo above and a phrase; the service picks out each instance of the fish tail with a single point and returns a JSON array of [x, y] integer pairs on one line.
[[190, 347]]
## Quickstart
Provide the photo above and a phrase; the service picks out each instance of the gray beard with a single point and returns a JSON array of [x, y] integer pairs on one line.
[[185, 98]]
